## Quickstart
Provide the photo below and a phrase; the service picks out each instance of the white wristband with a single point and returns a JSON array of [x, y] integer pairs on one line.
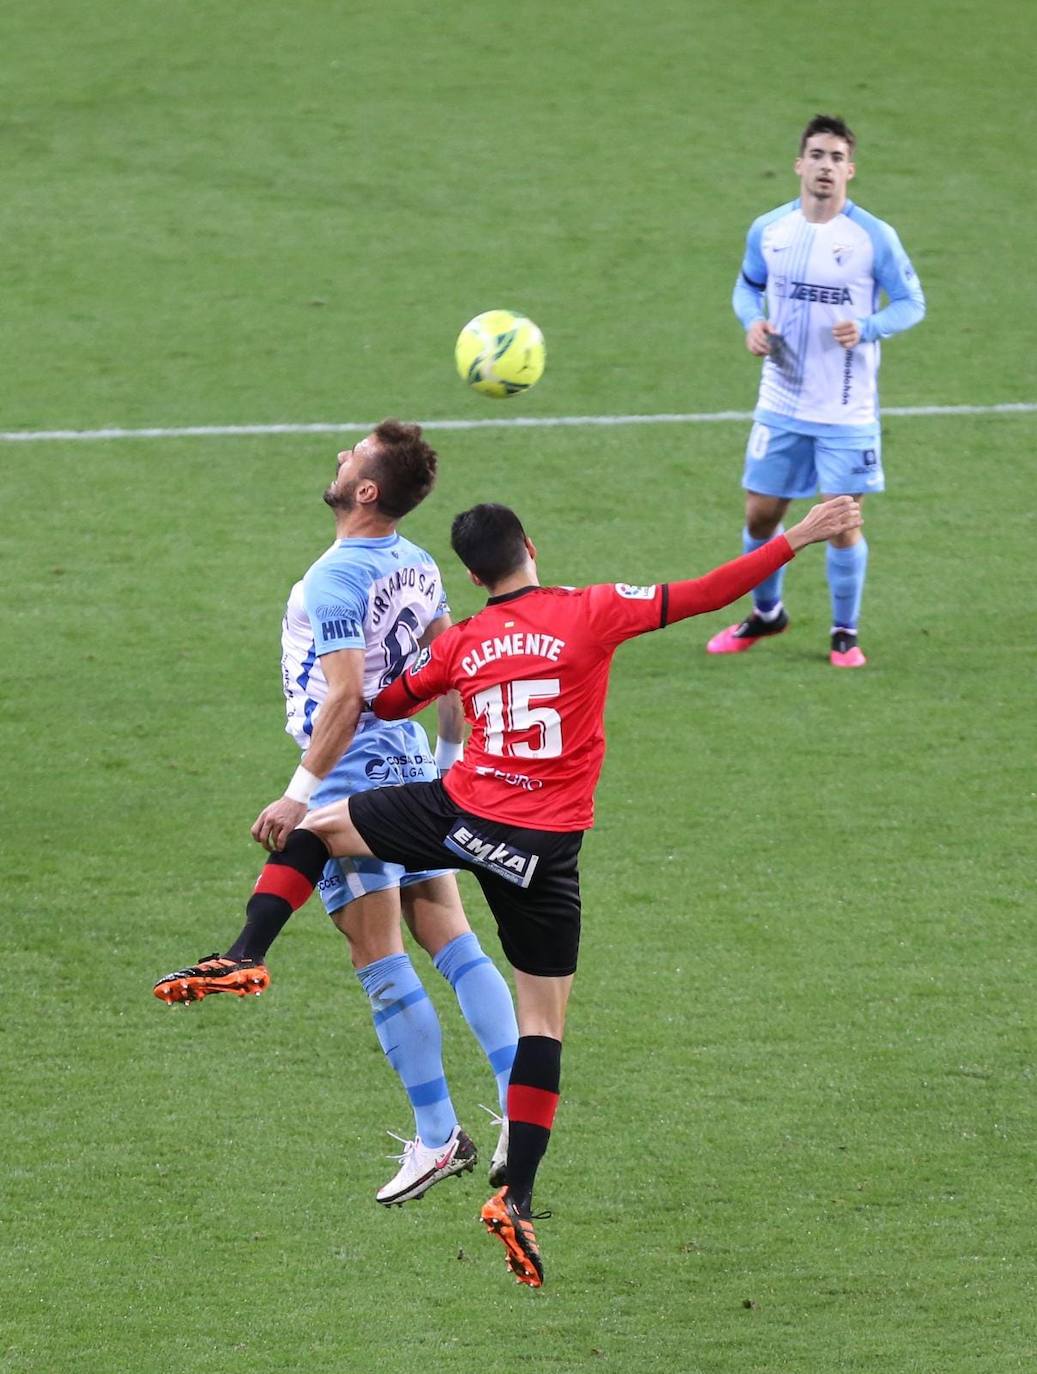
[[448, 752], [302, 785]]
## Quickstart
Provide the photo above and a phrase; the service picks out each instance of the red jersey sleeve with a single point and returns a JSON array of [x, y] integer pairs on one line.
[[726, 583], [427, 677], [618, 610]]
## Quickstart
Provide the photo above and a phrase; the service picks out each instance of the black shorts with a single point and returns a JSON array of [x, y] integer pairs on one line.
[[530, 878]]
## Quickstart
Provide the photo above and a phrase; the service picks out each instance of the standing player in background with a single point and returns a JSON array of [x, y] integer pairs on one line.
[[362, 612], [808, 299], [532, 670]]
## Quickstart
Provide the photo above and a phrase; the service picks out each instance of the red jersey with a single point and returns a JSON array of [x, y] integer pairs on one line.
[[532, 669]]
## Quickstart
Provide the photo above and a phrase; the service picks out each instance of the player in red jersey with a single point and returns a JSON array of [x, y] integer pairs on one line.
[[532, 671]]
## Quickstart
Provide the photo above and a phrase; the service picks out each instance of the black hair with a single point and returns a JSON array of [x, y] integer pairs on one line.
[[828, 124], [490, 541]]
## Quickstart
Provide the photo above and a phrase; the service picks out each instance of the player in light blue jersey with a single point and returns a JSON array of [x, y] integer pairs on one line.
[[809, 299], [364, 611]]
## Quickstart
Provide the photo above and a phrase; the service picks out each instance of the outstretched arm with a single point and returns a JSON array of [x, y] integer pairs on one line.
[[732, 580]]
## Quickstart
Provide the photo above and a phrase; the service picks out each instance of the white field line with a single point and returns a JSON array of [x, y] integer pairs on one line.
[[25, 436]]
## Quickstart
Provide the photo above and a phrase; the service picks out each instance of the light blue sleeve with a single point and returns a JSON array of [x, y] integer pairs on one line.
[[336, 603], [895, 275], [748, 299]]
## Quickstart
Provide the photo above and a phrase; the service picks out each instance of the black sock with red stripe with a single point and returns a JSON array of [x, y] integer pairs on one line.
[[285, 884], [536, 1077]]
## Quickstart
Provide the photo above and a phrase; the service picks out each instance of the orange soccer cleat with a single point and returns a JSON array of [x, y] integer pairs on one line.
[[502, 1218], [214, 973]]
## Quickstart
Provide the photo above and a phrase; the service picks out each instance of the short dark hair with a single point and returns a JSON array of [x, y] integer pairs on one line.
[[403, 467], [828, 124], [490, 541]]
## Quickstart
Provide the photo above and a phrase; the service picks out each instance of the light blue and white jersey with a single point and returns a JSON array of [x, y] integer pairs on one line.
[[379, 595], [811, 277]]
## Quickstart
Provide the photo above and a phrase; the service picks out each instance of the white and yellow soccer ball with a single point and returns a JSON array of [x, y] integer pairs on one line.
[[500, 353]]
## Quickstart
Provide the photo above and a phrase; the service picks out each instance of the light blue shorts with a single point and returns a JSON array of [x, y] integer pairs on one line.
[[381, 755], [794, 466]]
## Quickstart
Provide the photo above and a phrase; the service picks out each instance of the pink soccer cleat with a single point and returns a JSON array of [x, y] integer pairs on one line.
[[845, 653], [852, 658], [737, 638]]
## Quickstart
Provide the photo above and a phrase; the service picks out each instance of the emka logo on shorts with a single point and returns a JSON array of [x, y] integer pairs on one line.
[[507, 861]]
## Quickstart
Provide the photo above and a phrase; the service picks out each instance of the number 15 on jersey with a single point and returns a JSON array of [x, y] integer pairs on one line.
[[512, 709]]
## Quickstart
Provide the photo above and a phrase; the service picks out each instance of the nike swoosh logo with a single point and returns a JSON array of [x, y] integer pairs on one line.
[[442, 1163]]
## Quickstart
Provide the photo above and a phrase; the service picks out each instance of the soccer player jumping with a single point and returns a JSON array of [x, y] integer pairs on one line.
[[532, 672], [354, 622], [808, 299]]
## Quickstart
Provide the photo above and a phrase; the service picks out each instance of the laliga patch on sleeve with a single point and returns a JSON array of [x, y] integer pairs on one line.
[[420, 662], [635, 593]]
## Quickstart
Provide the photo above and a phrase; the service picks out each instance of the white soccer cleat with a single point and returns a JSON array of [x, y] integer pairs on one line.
[[499, 1161], [422, 1166]]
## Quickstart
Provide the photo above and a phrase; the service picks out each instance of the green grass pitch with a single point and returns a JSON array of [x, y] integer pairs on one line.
[[798, 1100]]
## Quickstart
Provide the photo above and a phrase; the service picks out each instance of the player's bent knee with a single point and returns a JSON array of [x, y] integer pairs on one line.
[[335, 827]]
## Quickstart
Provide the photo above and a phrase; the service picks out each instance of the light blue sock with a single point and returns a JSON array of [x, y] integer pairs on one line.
[[846, 569], [768, 594], [485, 1002], [408, 1031]]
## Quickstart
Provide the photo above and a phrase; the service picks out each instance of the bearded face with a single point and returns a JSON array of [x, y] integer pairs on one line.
[[341, 494]]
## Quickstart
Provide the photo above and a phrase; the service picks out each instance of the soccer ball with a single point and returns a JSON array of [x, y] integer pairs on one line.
[[500, 353]]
